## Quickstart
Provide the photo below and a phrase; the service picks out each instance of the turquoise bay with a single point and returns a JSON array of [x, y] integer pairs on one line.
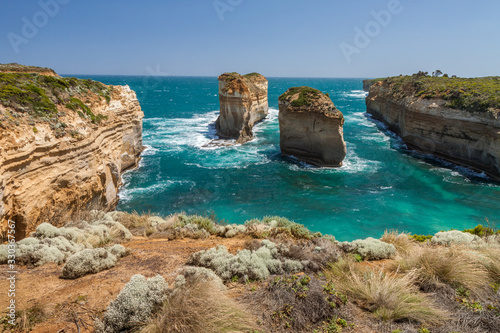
[[382, 185]]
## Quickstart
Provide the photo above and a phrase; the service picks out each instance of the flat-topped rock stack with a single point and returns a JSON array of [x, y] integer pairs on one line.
[[311, 127]]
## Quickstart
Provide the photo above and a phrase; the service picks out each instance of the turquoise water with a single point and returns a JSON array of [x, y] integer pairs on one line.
[[381, 186]]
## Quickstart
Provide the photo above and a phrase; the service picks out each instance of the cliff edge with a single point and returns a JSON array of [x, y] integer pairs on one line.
[[452, 118], [243, 103], [64, 144], [311, 127]]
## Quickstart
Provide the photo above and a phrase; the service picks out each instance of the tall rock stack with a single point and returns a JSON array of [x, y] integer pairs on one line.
[[311, 127], [243, 103]]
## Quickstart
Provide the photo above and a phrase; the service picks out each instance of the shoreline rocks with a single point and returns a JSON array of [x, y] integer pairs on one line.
[[311, 127], [243, 103]]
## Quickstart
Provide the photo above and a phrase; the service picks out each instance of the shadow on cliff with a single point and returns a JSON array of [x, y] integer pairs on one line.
[[399, 145]]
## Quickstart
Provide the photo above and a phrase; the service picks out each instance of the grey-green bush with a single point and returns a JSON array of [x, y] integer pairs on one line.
[[370, 248], [454, 237], [134, 304], [246, 264], [89, 261], [118, 250]]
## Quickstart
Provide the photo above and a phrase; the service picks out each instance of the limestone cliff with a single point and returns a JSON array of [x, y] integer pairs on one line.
[[311, 127], [243, 103], [438, 116], [367, 84], [64, 144]]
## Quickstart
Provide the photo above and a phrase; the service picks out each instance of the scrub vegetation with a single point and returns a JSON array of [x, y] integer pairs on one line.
[[284, 278]]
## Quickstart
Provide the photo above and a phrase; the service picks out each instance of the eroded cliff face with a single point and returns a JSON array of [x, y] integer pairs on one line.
[[243, 103], [50, 169], [428, 125], [311, 127], [367, 84]]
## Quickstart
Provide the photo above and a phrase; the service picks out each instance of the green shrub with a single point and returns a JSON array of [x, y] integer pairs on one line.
[[421, 238], [283, 227], [305, 96], [202, 222], [482, 231]]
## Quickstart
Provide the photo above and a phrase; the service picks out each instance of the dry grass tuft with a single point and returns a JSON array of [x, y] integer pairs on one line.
[[134, 220], [201, 307], [455, 266], [401, 241], [491, 261], [390, 297]]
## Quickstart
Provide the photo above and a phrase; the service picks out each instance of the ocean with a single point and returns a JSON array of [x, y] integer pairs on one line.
[[382, 185]]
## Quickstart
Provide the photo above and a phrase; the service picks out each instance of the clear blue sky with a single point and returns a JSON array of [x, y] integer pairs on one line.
[[295, 38]]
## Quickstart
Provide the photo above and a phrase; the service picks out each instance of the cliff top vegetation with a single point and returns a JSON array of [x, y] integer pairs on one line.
[[305, 97], [468, 94], [238, 82], [32, 97], [267, 275], [14, 67]]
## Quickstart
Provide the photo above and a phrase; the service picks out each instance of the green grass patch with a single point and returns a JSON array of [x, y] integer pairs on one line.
[[39, 95], [468, 94], [306, 95]]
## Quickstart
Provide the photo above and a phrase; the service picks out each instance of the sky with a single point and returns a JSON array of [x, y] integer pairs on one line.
[[278, 38]]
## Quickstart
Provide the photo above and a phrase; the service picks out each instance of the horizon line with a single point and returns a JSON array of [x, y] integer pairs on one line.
[[211, 76]]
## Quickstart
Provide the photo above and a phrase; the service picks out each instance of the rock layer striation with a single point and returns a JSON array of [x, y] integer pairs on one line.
[[429, 125], [243, 103], [311, 127], [51, 168]]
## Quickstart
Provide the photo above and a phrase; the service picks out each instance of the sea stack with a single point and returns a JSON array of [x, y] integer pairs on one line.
[[243, 103], [311, 127]]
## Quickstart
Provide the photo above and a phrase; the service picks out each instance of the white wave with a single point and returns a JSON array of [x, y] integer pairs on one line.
[[351, 164], [271, 119], [356, 94], [359, 118], [128, 193], [149, 151], [176, 134]]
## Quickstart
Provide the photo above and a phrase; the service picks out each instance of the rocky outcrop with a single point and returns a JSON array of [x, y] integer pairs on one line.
[[429, 125], [243, 103], [367, 84], [311, 127], [52, 167]]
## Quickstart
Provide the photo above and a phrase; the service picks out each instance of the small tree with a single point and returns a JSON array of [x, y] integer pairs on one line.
[[437, 73]]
